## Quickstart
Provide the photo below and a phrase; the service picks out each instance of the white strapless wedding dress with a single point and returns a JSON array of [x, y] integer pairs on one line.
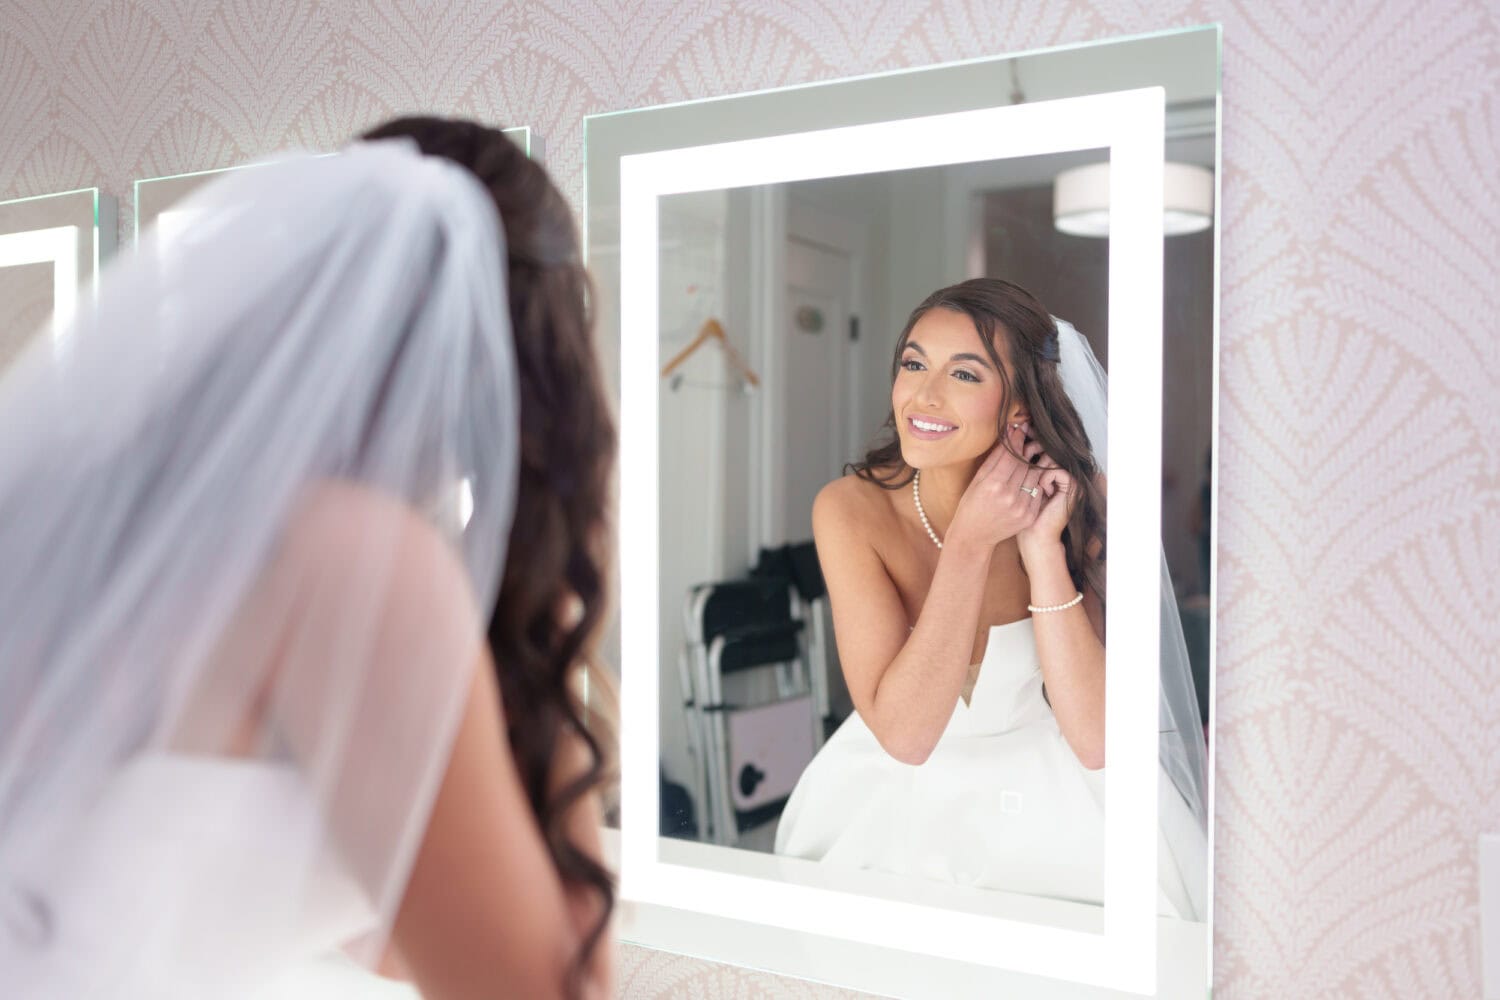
[[1001, 803], [191, 877]]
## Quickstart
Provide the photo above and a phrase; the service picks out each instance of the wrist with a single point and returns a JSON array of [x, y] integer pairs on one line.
[[961, 545], [1036, 552], [1047, 571]]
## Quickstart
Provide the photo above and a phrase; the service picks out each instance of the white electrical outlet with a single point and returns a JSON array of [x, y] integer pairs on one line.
[[1489, 913]]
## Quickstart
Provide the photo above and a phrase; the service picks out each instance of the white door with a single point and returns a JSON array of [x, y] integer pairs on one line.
[[815, 378]]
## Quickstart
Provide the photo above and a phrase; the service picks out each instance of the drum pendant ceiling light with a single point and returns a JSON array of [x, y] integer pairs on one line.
[[1080, 199]]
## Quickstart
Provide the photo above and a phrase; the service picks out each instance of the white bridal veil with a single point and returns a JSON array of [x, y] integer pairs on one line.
[[1181, 745], [230, 668]]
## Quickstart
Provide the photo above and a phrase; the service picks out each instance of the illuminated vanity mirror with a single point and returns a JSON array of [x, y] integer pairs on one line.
[[157, 198], [757, 259], [50, 250]]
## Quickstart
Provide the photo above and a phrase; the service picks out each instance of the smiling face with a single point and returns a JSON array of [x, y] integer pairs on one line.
[[947, 395]]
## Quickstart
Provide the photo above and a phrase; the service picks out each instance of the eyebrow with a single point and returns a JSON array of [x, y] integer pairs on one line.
[[982, 362]]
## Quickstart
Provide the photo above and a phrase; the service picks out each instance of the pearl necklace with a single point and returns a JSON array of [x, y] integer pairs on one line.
[[916, 497]]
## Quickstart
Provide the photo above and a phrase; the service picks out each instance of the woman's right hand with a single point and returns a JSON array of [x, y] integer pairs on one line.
[[996, 504]]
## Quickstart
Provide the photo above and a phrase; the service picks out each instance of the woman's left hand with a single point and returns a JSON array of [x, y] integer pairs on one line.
[[1058, 496]]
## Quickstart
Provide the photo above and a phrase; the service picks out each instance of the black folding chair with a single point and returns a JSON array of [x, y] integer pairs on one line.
[[750, 701]]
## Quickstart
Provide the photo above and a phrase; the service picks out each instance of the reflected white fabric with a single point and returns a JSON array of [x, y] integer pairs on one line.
[[1001, 803], [213, 763]]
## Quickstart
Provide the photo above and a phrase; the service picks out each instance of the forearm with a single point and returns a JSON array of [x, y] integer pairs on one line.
[[1071, 655], [916, 694]]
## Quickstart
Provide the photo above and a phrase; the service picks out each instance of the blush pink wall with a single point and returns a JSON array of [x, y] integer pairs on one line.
[[1358, 687]]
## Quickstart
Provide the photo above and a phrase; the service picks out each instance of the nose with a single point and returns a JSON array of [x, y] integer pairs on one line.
[[929, 392]]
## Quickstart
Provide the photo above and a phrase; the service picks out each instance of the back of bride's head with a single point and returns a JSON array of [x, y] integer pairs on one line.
[[551, 603]]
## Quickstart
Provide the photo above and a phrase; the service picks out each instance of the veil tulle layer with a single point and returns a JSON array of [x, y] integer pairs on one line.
[[1181, 746], [232, 657]]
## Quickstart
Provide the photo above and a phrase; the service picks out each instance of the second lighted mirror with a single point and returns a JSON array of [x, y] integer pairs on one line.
[[156, 197], [50, 249]]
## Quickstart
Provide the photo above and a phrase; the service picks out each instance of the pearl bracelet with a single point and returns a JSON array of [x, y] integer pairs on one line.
[[1055, 607]]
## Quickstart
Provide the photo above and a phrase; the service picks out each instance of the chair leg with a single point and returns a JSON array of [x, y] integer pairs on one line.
[[727, 833]]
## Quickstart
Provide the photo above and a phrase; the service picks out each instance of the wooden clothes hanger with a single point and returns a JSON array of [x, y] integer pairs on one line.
[[712, 329]]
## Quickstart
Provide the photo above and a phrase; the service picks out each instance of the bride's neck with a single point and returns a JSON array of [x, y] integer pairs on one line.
[[942, 487]]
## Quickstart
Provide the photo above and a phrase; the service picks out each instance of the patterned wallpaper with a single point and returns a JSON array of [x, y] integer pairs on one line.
[[1358, 687]]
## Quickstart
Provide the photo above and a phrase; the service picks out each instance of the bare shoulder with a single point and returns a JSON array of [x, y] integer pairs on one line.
[[852, 503], [352, 531], [336, 515], [328, 503]]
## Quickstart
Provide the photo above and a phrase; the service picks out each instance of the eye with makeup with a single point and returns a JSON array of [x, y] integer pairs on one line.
[[912, 364]]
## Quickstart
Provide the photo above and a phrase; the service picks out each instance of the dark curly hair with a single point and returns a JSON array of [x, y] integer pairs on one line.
[[548, 615], [1004, 309]]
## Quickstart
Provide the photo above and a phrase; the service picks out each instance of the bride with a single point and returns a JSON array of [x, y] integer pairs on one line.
[[964, 561], [302, 555]]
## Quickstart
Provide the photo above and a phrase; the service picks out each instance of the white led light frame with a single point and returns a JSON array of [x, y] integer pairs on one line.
[[1130, 124], [57, 246]]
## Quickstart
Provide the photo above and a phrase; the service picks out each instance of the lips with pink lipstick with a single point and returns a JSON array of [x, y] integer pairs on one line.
[[930, 428]]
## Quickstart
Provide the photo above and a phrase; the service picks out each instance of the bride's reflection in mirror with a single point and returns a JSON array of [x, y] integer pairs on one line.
[[889, 648], [963, 558]]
